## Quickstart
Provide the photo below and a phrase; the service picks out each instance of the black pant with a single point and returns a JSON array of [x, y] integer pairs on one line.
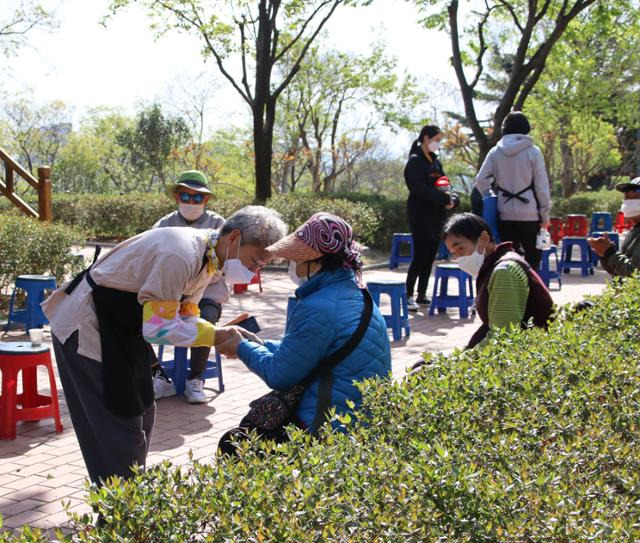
[[523, 235], [110, 444], [424, 253]]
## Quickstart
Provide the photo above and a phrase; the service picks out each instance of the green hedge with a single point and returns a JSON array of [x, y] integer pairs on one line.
[[587, 202], [28, 246], [503, 443], [122, 216]]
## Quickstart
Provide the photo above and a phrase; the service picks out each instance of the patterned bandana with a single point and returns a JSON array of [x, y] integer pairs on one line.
[[329, 234]]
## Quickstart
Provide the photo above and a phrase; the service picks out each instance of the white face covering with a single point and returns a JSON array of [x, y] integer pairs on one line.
[[191, 212], [630, 208], [472, 263], [434, 146], [293, 275], [235, 272]]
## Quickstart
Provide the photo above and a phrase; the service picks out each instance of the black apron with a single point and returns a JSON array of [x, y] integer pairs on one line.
[[126, 356]]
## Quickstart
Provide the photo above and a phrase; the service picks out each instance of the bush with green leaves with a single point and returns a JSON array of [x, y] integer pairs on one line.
[[121, 216], [532, 437], [28, 246], [586, 203]]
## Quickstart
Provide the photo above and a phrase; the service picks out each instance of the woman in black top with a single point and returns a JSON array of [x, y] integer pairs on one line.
[[427, 206]]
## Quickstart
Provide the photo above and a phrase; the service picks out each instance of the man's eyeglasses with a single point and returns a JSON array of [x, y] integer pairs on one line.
[[185, 198]]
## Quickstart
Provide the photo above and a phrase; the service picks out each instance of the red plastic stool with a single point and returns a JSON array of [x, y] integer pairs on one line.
[[16, 357], [556, 229], [622, 224], [239, 288], [576, 226]]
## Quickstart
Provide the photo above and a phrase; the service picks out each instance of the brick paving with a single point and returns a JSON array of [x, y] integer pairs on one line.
[[40, 469]]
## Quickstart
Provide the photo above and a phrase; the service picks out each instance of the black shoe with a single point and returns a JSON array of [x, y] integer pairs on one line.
[[423, 301]]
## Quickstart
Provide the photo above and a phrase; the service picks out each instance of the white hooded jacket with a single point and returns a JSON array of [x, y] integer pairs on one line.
[[516, 165]]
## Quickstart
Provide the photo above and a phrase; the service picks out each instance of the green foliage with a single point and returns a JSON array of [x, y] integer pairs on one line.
[[588, 202], [122, 216], [502, 443], [150, 142], [31, 247], [297, 208], [110, 216]]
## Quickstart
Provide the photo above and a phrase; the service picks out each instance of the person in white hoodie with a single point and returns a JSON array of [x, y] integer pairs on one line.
[[516, 166]]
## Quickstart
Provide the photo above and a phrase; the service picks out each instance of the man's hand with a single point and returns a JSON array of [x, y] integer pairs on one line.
[[544, 225], [600, 245], [229, 347]]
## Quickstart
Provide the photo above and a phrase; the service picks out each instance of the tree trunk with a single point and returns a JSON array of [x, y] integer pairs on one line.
[[567, 166]]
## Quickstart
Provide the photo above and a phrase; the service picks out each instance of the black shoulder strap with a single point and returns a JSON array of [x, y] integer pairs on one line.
[[76, 280], [324, 370]]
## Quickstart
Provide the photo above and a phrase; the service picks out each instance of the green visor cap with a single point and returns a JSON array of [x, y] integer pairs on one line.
[[193, 179]]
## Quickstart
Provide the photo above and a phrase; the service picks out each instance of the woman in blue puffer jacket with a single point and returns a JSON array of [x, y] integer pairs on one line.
[[325, 262]]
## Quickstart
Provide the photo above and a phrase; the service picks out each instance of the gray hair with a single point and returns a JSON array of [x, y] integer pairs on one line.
[[258, 225]]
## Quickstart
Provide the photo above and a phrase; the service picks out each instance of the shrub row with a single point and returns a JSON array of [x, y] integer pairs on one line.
[[122, 216], [28, 246], [588, 202], [502, 443]]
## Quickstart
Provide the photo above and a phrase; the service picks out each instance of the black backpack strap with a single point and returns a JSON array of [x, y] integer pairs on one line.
[[324, 370]]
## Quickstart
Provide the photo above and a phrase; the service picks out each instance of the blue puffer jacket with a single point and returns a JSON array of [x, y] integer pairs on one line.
[[324, 319]]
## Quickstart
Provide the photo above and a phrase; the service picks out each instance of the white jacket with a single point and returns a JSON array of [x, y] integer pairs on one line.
[[515, 164]]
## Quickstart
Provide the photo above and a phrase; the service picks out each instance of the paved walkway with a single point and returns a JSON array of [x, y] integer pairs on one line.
[[40, 468]]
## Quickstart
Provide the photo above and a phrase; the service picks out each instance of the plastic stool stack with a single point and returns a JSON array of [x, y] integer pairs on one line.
[[546, 273], [399, 317], [441, 299], [601, 221], [178, 368], [35, 287], [22, 357], [576, 226], [395, 258]]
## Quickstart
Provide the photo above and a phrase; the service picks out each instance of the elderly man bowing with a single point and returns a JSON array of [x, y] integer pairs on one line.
[[146, 290]]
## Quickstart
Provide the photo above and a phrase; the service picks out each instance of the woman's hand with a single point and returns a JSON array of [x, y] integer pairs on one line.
[[250, 336]]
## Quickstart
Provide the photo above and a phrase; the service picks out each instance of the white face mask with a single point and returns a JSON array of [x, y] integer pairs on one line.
[[191, 212], [293, 275], [630, 208], [434, 146], [235, 272], [471, 263]]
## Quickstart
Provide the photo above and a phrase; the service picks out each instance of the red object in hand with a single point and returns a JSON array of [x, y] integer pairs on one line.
[[442, 183]]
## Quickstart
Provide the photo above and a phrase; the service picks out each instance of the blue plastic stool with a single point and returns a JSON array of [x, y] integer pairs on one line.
[[443, 252], [545, 271], [441, 299], [490, 214], [178, 369], [31, 316], [396, 242], [613, 236], [585, 264], [601, 221], [399, 317]]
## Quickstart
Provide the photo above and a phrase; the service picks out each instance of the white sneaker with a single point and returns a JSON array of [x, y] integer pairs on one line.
[[412, 305], [162, 387], [194, 391]]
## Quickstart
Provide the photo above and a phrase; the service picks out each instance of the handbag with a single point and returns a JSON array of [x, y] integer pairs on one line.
[[278, 408]]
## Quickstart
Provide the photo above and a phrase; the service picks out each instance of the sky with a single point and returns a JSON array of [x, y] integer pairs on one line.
[[85, 64]]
